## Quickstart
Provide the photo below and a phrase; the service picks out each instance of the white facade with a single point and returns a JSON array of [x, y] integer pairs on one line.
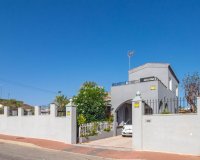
[[154, 81], [162, 71]]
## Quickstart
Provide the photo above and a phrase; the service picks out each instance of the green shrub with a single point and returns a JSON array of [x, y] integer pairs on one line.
[[107, 129], [93, 132], [166, 111], [81, 119], [110, 119]]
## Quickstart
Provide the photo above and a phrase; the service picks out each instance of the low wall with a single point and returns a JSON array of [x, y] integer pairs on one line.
[[119, 131], [172, 133], [40, 126], [101, 135], [44, 127], [102, 129]]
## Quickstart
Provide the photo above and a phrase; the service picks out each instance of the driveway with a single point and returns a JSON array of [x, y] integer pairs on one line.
[[117, 142]]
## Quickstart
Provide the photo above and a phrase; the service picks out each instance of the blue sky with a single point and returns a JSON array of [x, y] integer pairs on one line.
[[58, 45]]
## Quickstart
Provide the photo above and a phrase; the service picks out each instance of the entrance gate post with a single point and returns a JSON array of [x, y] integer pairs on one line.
[[198, 106], [71, 123], [115, 124], [137, 113]]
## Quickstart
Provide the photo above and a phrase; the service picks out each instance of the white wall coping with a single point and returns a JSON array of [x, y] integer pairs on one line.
[[188, 114]]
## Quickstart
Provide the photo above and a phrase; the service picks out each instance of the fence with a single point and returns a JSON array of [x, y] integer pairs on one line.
[[45, 110], [29, 112], [92, 129], [13, 112], [1, 111], [61, 112], [171, 105], [25, 112]]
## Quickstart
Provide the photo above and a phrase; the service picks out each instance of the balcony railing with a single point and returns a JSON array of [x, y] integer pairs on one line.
[[141, 80], [125, 83]]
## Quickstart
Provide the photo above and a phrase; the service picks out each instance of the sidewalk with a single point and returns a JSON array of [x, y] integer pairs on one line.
[[106, 153]]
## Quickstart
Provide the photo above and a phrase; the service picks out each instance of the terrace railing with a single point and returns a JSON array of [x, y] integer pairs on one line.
[[141, 80]]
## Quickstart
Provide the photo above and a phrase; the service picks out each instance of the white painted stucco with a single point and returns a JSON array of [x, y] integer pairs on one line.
[[172, 133], [49, 127]]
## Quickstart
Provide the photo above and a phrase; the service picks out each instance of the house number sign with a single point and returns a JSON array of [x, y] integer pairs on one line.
[[137, 104], [68, 113]]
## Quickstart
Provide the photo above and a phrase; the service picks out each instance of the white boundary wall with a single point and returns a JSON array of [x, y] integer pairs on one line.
[[173, 133], [48, 127]]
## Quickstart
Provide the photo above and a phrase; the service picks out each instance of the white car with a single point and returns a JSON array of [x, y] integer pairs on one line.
[[127, 129]]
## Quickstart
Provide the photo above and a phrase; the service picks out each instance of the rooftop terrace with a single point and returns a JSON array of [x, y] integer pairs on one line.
[[141, 80]]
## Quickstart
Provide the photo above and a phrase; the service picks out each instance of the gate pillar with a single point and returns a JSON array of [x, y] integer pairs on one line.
[[71, 123], [137, 113]]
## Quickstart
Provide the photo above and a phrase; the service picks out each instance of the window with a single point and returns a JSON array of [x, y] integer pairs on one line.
[[177, 91], [170, 84]]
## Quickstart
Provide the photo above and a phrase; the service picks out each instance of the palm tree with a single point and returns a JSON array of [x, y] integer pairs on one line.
[[61, 101]]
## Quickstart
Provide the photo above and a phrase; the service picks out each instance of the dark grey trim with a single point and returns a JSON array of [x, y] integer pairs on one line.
[[172, 72]]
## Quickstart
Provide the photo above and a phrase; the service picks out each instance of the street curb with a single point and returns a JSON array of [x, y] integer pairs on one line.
[[24, 144]]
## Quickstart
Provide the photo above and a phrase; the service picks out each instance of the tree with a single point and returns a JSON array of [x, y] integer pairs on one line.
[[191, 85], [90, 102], [14, 104], [61, 100]]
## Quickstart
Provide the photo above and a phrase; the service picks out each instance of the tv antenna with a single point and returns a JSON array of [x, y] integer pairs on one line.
[[130, 54]]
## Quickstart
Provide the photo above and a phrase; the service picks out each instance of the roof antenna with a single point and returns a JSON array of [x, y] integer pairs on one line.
[[130, 54]]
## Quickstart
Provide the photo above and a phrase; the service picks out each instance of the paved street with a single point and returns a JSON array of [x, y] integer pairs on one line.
[[22, 148], [17, 152]]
